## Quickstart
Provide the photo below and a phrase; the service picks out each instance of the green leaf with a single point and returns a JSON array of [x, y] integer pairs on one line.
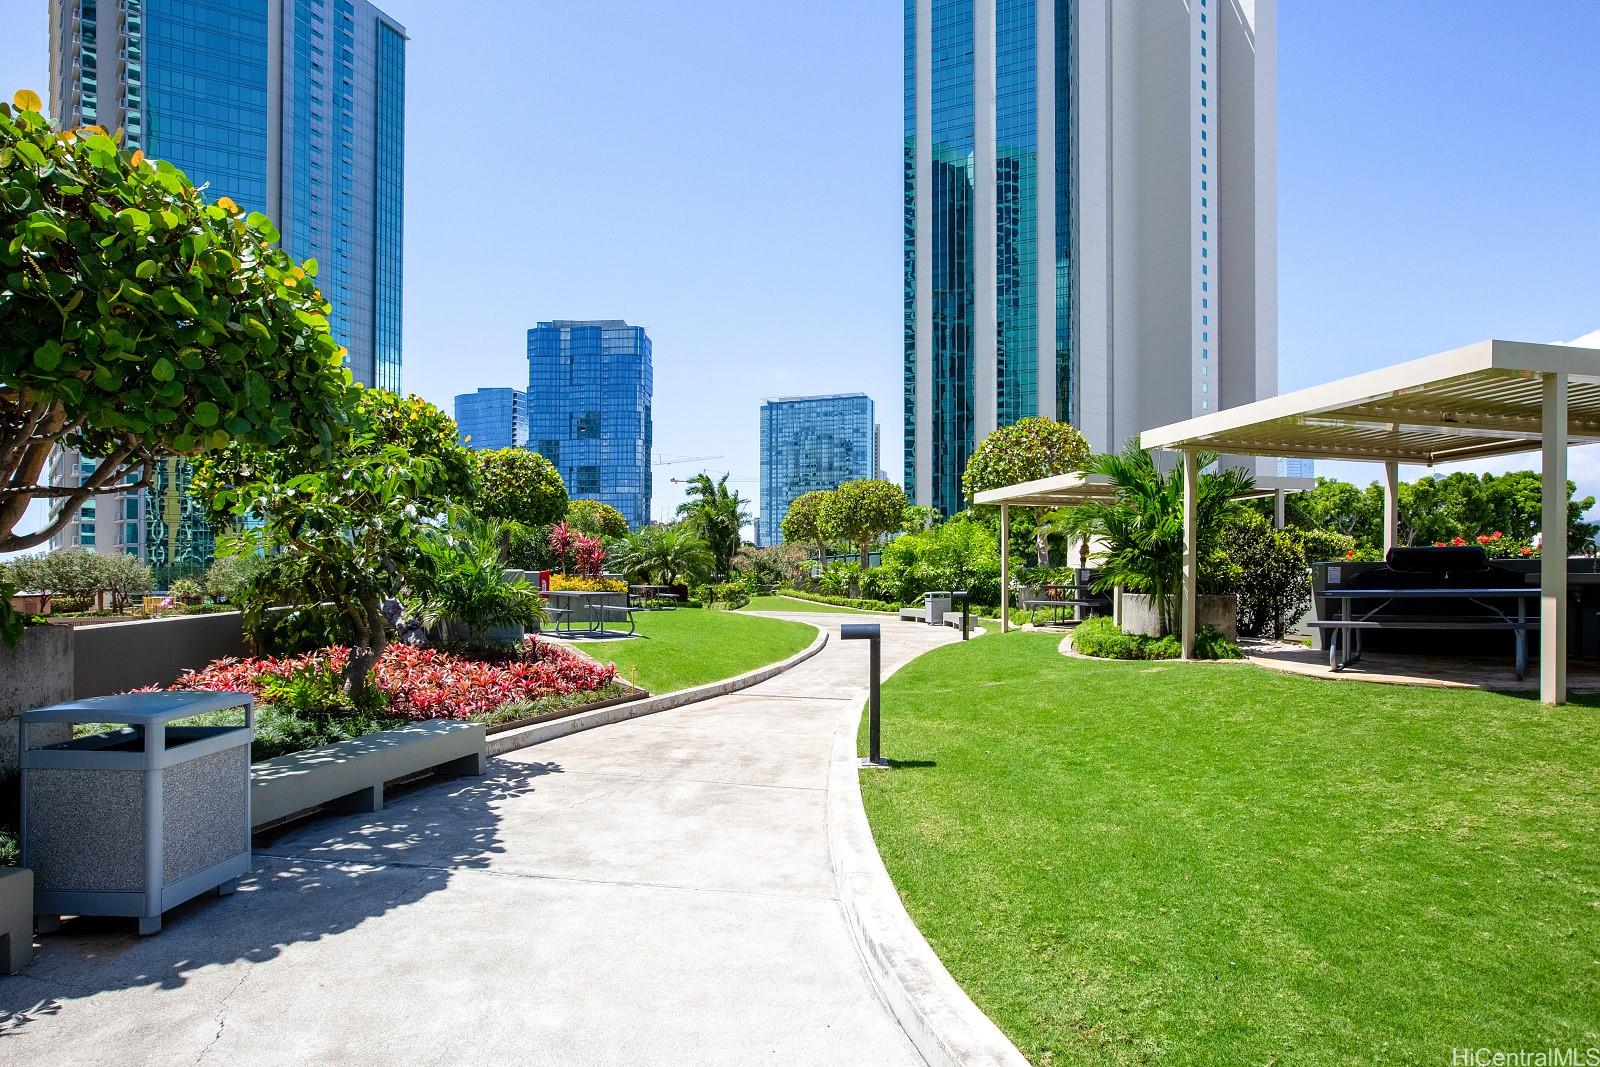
[[206, 413], [139, 220], [163, 371], [147, 269], [47, 357]]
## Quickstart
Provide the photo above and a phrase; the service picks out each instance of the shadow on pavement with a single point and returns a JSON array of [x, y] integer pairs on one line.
[[313, 880]]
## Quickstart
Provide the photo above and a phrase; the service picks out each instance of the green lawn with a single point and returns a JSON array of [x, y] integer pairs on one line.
[[692, 646], [1216, 864], [789, 603]]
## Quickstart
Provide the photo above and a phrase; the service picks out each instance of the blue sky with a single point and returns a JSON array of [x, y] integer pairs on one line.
[[727, 174]]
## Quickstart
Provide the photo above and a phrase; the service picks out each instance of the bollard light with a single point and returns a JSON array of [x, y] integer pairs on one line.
[[872, 633], [961, 594]]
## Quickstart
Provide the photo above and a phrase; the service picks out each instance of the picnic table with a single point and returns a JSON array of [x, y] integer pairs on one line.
[[665, 598], [1060, 599], [1351, 618], [581, 613]]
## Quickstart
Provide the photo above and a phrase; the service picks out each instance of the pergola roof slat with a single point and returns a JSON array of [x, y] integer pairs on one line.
[[1481, 400]]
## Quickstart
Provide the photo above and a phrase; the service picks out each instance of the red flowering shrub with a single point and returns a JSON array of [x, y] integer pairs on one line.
[[424, 683], [576, 553]]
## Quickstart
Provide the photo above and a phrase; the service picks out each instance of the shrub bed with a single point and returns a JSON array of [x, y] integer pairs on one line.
[[421, 683], [1104, 639], [839, 601]]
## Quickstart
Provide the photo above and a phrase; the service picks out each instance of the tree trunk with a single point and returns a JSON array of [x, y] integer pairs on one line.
[[371, 638]]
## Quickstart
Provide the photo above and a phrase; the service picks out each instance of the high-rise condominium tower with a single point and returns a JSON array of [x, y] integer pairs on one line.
[[1090, 219], [810, 443], [493, 418], [589, 390], [291, 107]]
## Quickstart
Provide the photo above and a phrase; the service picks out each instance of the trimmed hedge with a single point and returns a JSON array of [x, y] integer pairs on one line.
[[839, 601], [1104, 639]]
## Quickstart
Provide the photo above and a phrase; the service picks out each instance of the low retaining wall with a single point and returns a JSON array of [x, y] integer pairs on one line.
[[36, 673], [119, 656], [511, 740]]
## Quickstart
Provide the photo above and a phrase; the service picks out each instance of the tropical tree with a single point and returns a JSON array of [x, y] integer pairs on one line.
[[802, 523], [715, 514], [125, 577], [516, 485], [665, 553], [596, 519], [1023, 451], [1140, 530], [860, 512], [351, 532], [138, 321]]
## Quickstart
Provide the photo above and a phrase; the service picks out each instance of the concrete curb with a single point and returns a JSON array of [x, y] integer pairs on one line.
[[943, 1023], [511, 740]]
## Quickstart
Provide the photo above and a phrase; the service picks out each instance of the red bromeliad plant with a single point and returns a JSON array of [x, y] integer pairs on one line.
[[576, 553], [425, 683]]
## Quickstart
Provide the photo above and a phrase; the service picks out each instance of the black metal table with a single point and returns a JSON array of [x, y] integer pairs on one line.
[[1345, 629]]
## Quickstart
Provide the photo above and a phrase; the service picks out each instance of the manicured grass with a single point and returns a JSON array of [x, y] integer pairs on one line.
[[1217, 864], [789, 603], [692, 646]]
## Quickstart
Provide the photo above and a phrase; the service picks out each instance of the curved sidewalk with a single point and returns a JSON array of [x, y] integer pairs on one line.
[[658, 891]]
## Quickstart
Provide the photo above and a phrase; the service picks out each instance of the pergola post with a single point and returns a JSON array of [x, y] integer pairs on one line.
[[1391, 505], [1191, 535], [1005, 568], [1553, 555], [1280, 499]]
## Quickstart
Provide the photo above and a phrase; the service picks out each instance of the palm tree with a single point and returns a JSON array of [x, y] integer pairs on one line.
[[716, 513], [665, 552], [1140, 529]]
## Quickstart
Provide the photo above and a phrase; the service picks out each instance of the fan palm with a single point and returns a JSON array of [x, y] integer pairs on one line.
[[716, 513], [1140, 530], [665, 552]]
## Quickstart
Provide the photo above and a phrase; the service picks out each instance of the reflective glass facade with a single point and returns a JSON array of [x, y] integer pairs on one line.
[[589, 394], [945, 199], [493, 418], [812, 442], [192, 82]]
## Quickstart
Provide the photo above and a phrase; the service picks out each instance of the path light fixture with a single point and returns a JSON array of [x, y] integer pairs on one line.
[[872, 633], [961, 595]]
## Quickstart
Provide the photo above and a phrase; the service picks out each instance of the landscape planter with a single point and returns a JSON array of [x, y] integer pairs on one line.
[[136, 820], [1220, 612]]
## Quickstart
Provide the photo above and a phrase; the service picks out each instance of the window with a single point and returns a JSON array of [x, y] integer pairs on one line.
[[551, 450], [587, 479], [589, 426]]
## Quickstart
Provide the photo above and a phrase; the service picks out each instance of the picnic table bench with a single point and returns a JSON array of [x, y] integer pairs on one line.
[[1351, 617], [577, 613]]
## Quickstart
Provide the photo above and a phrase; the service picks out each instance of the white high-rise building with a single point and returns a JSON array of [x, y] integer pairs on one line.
[[1090, 219]]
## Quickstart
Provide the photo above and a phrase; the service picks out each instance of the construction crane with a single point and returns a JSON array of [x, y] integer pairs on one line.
[[673, 461], [731, 478]]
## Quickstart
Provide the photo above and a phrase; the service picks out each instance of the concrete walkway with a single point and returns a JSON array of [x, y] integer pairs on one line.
[[657, 891]]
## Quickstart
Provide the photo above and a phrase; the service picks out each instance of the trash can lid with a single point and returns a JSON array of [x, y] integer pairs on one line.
[[138, 709]]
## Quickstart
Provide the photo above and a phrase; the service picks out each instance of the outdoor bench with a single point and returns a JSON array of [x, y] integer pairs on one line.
[[16, 919], [1060, 607], [350, 775], [933, 610]]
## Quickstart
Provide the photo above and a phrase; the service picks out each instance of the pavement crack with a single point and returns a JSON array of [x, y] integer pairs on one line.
[[222, 1013]]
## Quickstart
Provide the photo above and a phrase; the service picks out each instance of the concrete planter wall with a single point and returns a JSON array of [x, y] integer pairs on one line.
[[1221, 612], [37, 673], [120, 656]]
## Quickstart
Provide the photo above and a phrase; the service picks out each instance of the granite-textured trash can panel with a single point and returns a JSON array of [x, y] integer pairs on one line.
[[63, 805], [204, 814], [136, 820]]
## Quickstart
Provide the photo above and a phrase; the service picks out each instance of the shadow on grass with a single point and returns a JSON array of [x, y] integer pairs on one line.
[[313, 880]]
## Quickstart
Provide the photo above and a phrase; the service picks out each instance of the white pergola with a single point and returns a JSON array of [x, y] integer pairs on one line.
[[1486, 399], [1066, 490]]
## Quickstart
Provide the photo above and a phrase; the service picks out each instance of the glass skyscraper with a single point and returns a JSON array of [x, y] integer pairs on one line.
[[812, 442], [1089, 219], [291, 107], [589, 392], [493, 418]]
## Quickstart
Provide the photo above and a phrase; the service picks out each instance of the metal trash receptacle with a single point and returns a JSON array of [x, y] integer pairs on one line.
[[136, 820]]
